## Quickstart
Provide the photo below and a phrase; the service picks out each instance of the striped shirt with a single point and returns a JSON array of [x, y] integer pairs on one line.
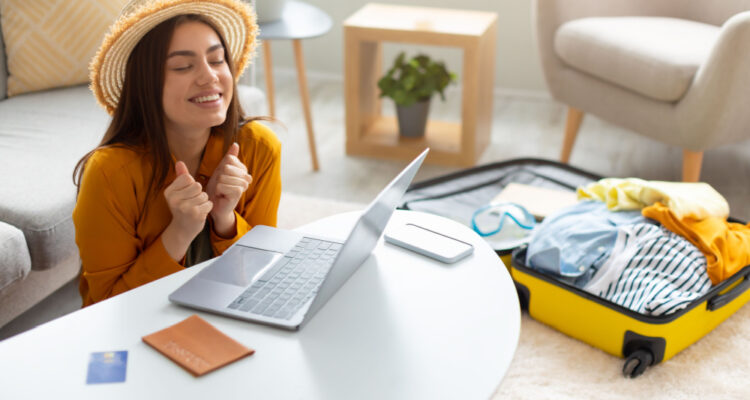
[[651, 270]]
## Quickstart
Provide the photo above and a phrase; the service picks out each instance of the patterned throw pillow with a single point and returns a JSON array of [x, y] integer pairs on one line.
[[49, 43]]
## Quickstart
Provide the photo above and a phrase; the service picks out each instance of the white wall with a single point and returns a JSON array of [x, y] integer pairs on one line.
[[517, 63]]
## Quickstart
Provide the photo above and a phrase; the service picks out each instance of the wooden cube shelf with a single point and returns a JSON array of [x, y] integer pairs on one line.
[[368, 132]]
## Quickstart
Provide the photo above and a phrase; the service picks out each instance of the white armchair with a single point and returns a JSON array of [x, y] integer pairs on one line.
[[677, 71]]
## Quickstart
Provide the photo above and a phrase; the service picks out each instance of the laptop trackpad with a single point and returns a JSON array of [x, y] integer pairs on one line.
[[239, 265]]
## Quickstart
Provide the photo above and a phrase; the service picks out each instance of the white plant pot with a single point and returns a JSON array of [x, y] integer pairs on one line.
[[269, 10]]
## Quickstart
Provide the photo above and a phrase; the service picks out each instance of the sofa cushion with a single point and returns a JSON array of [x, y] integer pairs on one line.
[[50, 44], [42, 137], [15, 262], [656, 57]]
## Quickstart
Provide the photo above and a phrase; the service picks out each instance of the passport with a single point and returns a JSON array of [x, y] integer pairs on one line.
[[107, 367], [197, 346]]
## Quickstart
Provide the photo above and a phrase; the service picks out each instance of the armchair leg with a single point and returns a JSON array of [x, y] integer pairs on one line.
[[572, 124], [691, 165]]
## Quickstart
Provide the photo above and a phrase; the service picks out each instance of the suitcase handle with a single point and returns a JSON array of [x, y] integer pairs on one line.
[[721, 300]]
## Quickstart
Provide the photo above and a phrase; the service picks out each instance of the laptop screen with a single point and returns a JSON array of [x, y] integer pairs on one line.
[[365, 234]]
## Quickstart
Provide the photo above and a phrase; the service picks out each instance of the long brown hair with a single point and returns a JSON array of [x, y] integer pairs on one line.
[[138, 120]]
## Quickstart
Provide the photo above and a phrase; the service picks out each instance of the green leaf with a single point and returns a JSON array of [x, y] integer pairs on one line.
[[399, 96], [399, 60], [415, 79], [424, 60], [386, 85], [410, 81]]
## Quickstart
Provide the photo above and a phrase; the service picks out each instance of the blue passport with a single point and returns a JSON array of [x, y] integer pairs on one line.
[[107, 367]]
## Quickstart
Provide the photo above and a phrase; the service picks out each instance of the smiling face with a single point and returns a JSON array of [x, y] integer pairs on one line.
[[198, 81]]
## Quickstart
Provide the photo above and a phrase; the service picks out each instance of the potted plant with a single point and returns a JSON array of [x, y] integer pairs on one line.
[[411, 83]]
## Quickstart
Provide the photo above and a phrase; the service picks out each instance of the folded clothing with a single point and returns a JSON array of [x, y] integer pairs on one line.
[[575, 241], [651, 270], [686, 200], [726, 245]]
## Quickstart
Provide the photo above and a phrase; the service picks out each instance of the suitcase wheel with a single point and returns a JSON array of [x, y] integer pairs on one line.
[[637, 362], [523, 296]]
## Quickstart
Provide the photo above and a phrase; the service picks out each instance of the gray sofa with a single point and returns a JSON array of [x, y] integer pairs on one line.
[[42, 136]]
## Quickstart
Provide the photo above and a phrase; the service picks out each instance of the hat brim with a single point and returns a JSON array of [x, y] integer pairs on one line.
[[235, 21]]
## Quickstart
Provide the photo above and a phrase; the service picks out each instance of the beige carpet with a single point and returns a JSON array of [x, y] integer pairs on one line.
[[550, 365]]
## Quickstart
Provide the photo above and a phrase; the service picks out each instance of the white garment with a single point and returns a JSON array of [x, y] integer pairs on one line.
[[652, 271]]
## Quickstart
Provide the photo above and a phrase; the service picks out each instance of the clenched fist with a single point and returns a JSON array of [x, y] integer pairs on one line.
[[225, 187], [190, 206]]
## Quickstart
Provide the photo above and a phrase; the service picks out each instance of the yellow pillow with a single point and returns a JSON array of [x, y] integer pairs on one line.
[[50, 43]]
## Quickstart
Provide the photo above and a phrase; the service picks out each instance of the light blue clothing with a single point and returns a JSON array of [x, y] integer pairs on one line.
[[652, 271], [574, 242]]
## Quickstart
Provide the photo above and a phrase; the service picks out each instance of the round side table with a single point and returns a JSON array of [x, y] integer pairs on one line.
[[298, 21]]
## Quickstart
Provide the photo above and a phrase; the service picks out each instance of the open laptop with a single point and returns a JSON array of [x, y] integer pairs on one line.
[[282, 278]]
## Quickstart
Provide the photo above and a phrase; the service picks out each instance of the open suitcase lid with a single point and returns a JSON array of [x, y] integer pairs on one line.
[[457, 196]]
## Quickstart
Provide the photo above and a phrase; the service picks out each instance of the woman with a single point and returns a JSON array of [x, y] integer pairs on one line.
[[180, 174]]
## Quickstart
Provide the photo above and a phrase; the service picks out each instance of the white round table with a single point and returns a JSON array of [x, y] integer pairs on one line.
[[403, 327], [417, 328]]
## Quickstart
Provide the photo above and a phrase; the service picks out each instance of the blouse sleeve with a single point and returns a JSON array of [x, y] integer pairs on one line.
[[113, 258], [260, 203]]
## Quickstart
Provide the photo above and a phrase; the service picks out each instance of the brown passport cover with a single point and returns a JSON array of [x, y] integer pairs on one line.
[[197, 346]]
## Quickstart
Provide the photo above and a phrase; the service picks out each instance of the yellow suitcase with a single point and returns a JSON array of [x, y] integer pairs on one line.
[[640, 339]]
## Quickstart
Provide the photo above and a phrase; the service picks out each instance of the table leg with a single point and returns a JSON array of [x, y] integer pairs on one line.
[[305, 100], [267, 66]]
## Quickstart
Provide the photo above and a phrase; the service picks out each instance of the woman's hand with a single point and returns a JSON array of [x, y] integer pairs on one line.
[[189, 206], [227, 184]]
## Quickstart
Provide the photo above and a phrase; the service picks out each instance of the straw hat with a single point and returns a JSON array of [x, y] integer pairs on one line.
[[234, 19]]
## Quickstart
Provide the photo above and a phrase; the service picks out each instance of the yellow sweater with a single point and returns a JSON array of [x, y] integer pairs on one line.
[[120, 244], [726, 245], [694, 200]]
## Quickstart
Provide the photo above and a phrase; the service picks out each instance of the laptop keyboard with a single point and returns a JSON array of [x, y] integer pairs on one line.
[[291, 282]]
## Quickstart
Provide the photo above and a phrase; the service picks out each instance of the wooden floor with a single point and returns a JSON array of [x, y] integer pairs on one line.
[[522, 127]]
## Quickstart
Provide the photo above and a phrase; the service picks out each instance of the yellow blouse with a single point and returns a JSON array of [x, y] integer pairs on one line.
[[694, 200], [119, 238]]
